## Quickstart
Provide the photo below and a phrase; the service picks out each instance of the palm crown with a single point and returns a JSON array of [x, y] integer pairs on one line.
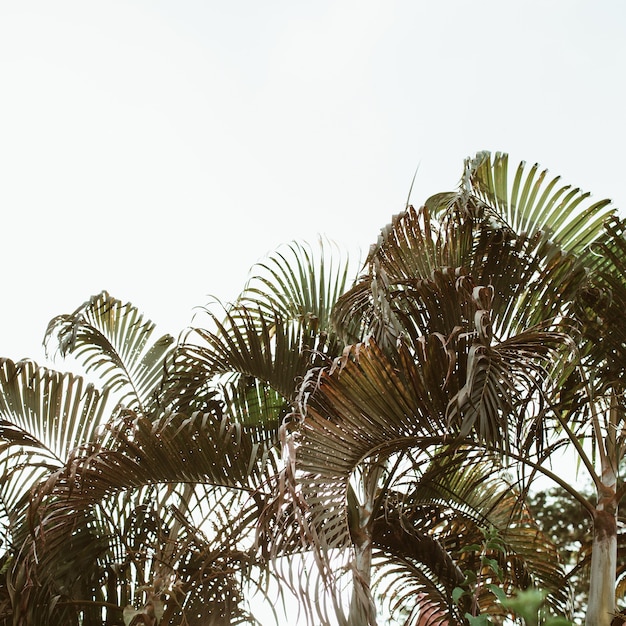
[[326, 432]]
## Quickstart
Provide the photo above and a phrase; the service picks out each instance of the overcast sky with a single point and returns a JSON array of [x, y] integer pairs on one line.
[[158, 149]]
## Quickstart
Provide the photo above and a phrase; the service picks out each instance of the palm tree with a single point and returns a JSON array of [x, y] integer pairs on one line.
[[112, 501], [45, 415], [344, 477], [400, 404], [468, 306], [589, 408], [598, 412]]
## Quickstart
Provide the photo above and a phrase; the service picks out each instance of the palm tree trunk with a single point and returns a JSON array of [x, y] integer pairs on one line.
[[601, 606], [362, 609]]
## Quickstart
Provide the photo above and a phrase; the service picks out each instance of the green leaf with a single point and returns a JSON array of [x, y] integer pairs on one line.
[[493, 565], [498, 592], [472, 548], [457, 593], [478, 620], [526, 604], [114, 341]]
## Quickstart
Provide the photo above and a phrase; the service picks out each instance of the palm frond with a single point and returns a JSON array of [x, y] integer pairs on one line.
[[125, 490], [350, 406], [409, 249], [351, 416], [50, 411], [297, 283], [508, 386], [601, 304], [245, 345], [114, 341], [44, 415], [537, 203], [531, 244], [449, 507], [275, 331]]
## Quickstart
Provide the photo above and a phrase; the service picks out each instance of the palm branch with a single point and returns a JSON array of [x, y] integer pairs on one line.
[[139, 454], [371, 408], [113, 341], [533, 241], [440, 522], [44, 415], [85, 492], [272, 333]]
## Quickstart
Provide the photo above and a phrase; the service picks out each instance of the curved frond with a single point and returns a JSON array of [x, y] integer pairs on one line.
[[297, 283], [408, 250], [245, 345], [532, 244], [226, 467], [508, 388], [114, 341], [456, 504], [275, 331], [601, 304], [351, 416], [366, 402], [536, 203], [48, 411], [44, 415]]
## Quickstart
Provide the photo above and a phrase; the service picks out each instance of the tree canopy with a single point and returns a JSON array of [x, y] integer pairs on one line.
[[362, 439]]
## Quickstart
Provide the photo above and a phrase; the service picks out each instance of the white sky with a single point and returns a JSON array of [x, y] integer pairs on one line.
[[158, 149]]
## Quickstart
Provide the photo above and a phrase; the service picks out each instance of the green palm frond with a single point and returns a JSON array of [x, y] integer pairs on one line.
[[249, 401], [370, 405], [53, 411], [409, 250], [44, 415], [245, 345], [601, 304], [297, 283], [351, 416], [228, 463], [531, 244], [274, 332], [114, 341], [434, 529], [537, 203]]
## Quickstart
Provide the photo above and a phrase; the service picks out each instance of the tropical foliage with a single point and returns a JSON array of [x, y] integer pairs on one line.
[[362, 441], [467, 335]]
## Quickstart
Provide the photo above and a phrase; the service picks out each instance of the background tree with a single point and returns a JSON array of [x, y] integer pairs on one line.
[[566, 521]]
